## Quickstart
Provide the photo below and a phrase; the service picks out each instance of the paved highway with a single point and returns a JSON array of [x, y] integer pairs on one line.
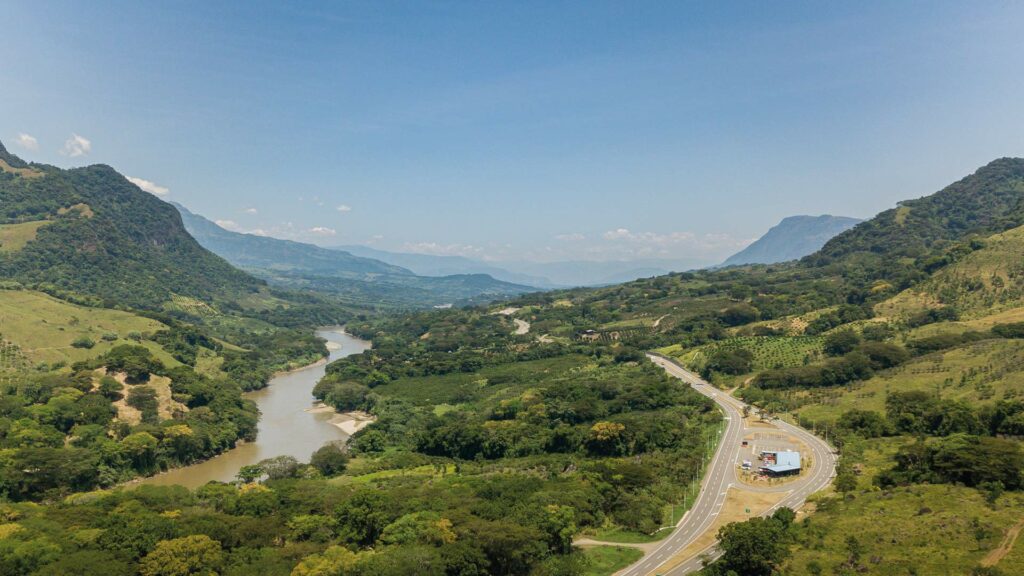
[[721, 475]]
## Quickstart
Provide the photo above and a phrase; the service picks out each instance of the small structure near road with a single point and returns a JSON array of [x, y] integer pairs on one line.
[[776, 464]]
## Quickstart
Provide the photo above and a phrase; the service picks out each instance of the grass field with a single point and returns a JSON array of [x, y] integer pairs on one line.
[[44, 327], [985, 281], [920, 529], [607, 560], [981, 372], [13, 237], [980, 324]]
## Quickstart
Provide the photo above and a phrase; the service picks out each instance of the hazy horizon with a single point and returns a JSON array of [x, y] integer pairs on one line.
[[533, 132]]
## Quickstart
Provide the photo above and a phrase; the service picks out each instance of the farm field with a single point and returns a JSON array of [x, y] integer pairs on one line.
[[769, 351], [44, 328], [465, 388]]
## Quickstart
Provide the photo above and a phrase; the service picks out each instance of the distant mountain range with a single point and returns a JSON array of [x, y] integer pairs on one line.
[[356, 278], [562, 274], [792, 239], [573, 273], [431, 265]]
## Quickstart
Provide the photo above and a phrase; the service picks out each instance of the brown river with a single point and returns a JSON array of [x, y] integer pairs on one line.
[[285, 428]]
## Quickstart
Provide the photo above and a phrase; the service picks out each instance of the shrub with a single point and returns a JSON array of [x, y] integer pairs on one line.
[[841, 342], [730, 361], [330, 460], [739, 315], [883, 354], [83, 342], [1014, 330]]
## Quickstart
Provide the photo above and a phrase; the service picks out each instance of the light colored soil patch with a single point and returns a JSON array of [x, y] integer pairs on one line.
[[1005, 547], [522, 327], [347, 422], [590, 543], [14, 237], [23, 172], [737, 502], [508, 311], [82, 208], [167, 408]]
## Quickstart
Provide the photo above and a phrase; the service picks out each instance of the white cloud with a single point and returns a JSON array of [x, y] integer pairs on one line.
[[322, 231], [149, 186], [27, 142], [438, 249], [344, 208], [648, 237], [623, 243], [574, 237], [230, 225], [251, 211], [76, 146]]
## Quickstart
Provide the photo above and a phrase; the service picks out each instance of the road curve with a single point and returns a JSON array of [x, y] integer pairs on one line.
[[721, 474]]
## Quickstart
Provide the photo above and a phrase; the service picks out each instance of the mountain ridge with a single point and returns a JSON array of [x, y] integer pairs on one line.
[[792, 238], [98, 235], [340, 273]]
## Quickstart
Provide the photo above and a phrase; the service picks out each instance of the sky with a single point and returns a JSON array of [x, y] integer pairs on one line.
[[518, 130]]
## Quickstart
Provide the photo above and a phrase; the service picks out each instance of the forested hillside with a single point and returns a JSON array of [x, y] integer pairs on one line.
[[989, 201], [98, 236]]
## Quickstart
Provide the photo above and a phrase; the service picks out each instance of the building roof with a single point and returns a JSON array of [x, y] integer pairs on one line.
[[785, 462]]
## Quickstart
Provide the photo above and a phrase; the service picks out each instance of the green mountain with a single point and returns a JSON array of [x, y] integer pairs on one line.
[[792, 238], [989, 201], [355, 279], [89, 232]]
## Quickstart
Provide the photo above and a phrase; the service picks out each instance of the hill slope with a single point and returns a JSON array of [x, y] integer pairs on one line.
[[989, 201], [985, 281], [792, 238], [89, 231]]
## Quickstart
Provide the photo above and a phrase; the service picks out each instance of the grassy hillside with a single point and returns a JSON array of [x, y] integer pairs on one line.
[[986, 280], [980, 373], [922, 529], [14, 237], [45, 328]]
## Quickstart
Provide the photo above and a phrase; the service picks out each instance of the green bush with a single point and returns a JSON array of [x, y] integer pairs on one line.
[[83, 342]]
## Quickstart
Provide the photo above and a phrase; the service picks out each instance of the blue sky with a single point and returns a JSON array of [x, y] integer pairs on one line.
[[518, 130]]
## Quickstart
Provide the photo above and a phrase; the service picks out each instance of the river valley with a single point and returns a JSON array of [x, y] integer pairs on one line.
[[289, 423]]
